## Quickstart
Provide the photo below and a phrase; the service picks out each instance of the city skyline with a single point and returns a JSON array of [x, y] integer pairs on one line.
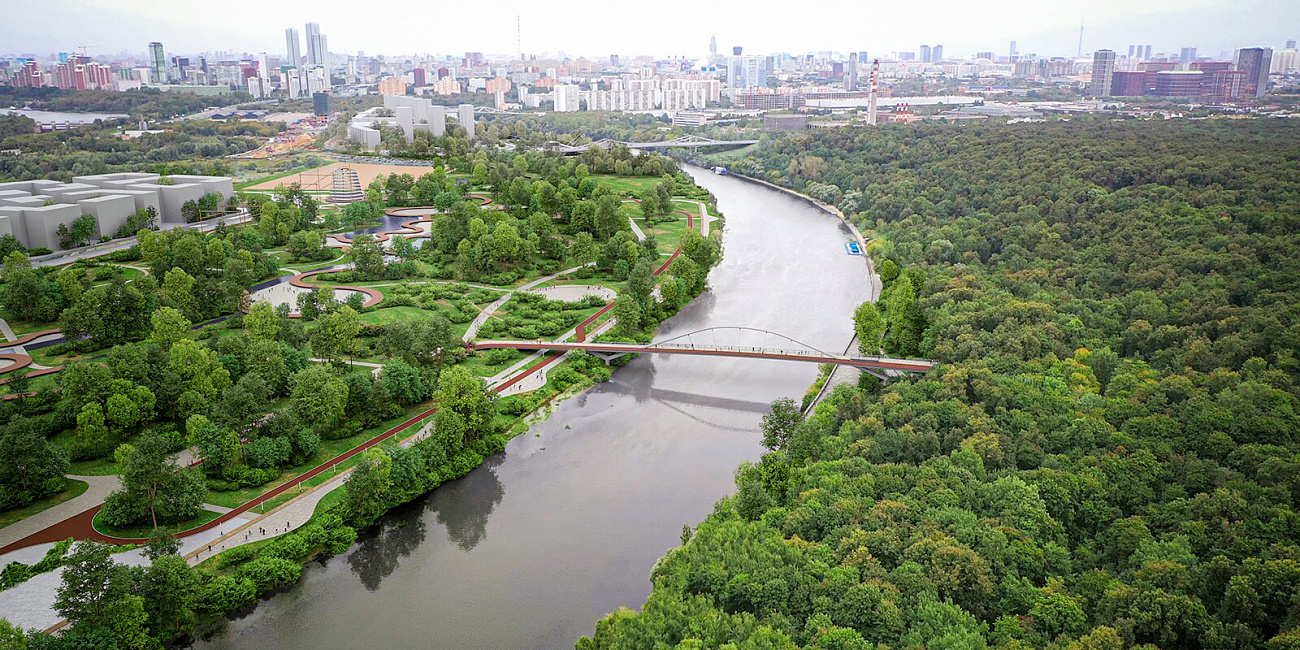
[[112, 26]]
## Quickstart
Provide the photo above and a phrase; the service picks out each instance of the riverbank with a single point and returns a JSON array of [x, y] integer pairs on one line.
[[530, 548]]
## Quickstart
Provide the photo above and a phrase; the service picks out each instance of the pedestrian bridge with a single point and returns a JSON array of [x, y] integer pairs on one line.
[[684, 142], [762, 344]]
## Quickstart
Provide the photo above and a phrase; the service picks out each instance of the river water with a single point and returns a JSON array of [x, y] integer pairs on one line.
[[531, 549]]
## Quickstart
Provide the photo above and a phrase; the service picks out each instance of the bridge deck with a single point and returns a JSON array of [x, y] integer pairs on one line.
[[884, 363]]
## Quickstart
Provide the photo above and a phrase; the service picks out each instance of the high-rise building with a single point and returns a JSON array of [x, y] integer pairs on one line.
[[566, 98], [1185, 58], [313, 44], [1255, 62], [1128, 84], [1146, 56], [1013, 52], [291, 47], [713, 45], [936, 54], [1290, 44], [851, 72], [1103, 68], [157, 63], [1130, 51], [925, 53]]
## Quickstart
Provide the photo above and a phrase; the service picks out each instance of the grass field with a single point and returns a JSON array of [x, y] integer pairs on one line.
[[626, 185], [73, 489]]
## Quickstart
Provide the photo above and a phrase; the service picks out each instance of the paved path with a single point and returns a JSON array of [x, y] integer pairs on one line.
[[100, 487], [487, 312], [640, 235], [375, 367]]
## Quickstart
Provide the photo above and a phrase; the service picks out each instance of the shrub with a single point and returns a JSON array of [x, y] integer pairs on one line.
[[224, 594], [237, 555], [268, 452], [267, 573]]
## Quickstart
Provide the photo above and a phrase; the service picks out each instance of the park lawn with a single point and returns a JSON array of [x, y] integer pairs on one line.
[[477, 363], [668, 234], [734, 154], [390, 315], [626, 185], [44, 357], [136, 531], [327, 451], [72, 489]]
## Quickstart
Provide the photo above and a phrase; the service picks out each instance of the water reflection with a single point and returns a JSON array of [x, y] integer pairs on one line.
[[380, 552], [465, 505]]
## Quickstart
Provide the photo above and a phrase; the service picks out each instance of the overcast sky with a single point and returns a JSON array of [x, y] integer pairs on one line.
[[659, 28]]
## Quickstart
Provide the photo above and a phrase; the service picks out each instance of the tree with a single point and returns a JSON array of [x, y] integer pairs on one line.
[[262, 322], [169, 326], [30, 467], [403, 382], [318, 396], [868, 327], [584, 248], [335, 335], [627, 311], [369, 485], [198, 368], [367, 257], [154, 487], [465, 394], [92, 584], [780, 422]]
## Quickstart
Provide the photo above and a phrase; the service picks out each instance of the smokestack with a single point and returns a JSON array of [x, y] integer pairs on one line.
[[875, 87]]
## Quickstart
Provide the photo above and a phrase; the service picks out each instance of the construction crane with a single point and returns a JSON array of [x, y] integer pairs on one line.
[[84, 55]]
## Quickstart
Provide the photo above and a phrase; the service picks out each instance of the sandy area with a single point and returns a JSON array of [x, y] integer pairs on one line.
[[320, 177], [287, 294]]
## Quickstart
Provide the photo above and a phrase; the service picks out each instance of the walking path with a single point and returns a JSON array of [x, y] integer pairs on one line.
[[487, 312], [640, 235], [100, 487]]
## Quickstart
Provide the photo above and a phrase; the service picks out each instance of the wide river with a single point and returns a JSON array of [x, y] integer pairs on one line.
[[531, 549]]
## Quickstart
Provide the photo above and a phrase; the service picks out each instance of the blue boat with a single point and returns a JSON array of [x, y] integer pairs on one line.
[[852, 248]]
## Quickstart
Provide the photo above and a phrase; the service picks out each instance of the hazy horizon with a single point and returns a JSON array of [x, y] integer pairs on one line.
[[586, 27]]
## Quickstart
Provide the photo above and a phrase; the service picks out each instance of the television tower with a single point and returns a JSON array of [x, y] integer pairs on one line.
[[519, 47], [875, 87]]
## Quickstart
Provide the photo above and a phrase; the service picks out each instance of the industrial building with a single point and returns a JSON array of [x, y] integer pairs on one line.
[[32, 211]]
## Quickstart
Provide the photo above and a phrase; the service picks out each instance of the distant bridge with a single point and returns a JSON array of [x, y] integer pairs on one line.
[[684, 142], [687, 344]]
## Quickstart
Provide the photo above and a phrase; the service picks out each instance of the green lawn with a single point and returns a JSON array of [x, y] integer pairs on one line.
[[391, 315], [625, 185], [136, 531], [73, 489]]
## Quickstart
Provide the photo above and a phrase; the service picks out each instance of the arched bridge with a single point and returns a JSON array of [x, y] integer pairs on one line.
[[762, 344], [686, 141]]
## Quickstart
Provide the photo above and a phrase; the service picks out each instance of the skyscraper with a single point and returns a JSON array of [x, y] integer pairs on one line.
[[936, 54], [713, 45], [1012, 56], [291, 41], [1255, 62], [313, 42], [1186, 57], [1146, 56], [925, 54], [1130, 51], [157, 63], [851, 72], [1103, 68]]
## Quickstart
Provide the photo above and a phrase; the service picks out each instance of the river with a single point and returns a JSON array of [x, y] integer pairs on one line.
[[531, 549]]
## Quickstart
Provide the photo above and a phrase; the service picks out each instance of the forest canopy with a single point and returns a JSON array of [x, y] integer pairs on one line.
[[1106, 456]]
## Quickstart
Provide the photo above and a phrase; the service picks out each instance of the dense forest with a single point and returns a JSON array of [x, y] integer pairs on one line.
[[1106, 456]]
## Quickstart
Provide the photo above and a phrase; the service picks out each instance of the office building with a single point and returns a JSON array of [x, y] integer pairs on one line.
[[851, 72], [1146, 56], [320, 103], [1103, 68], [1255, 62], [465, 116], [926, 53], [1130, 51], [1179, 83], [291, 47], [936, 54], [1186, 57], [1129, 84], [1285, 61], [1013, 53], [157, 63]]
